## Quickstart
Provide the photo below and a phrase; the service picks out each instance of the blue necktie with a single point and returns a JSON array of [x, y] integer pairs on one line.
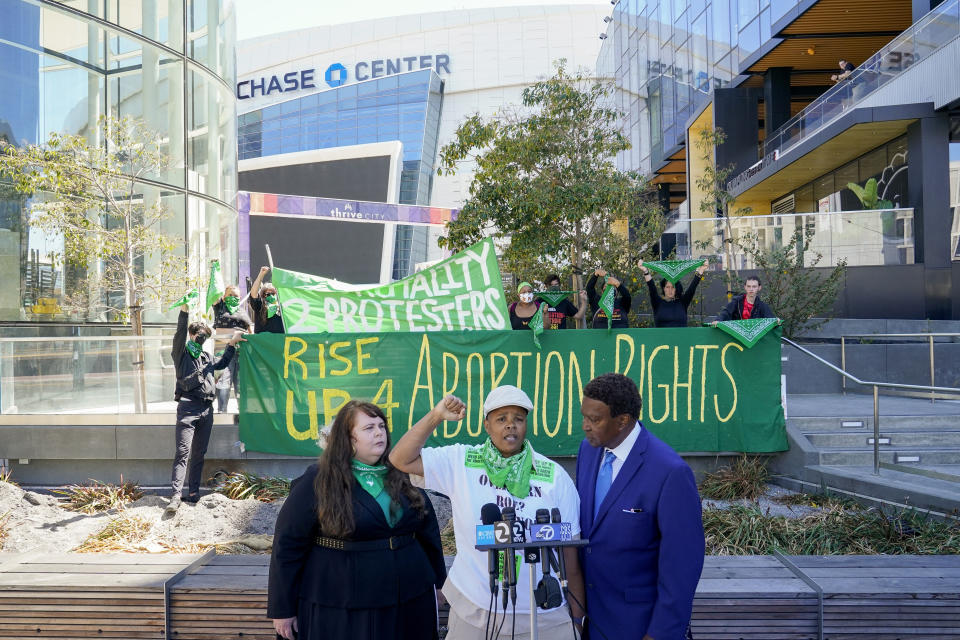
[[604, 480]]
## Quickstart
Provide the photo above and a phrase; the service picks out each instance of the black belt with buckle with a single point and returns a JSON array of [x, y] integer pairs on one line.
[[393, 543]]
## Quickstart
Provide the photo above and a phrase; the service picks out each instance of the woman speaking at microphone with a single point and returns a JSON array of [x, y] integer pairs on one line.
[[506, 471]]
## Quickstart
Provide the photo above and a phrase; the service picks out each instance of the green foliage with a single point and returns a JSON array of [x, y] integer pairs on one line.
[[241, 485], [98, 496], [745, 478], [124, 534], [91, 194], [546, 185], [798, 294], [867, 194], [746, 530]]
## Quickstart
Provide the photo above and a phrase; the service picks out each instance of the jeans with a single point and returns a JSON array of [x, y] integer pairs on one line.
[[228, 378], [194, 424]]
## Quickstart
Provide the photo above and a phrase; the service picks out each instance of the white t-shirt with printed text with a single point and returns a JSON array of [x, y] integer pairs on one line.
[[458, 472]]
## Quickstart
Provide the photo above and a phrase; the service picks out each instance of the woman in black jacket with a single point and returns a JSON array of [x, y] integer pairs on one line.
[[670, 309], [356, 551]]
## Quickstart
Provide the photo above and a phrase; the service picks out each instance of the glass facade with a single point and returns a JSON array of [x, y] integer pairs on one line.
[[404, 107], [170, 63]]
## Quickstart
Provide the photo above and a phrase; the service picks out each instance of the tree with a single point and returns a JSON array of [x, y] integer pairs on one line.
[[546, 185], [92, 196]]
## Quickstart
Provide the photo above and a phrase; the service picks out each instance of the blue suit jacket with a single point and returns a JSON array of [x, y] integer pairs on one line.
[[646, 548]]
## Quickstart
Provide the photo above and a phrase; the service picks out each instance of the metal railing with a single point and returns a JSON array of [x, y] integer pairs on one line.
[[876, 395], [934, 30], [927, 336]]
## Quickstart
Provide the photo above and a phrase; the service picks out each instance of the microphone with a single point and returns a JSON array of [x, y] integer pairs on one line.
[[548, 592], [509, 516], [555, 518], [489, 514]]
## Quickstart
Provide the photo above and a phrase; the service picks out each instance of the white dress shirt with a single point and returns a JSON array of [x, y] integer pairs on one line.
[[623, 450]]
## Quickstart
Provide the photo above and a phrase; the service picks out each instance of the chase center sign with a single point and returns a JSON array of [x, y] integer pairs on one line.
[[337, 74]]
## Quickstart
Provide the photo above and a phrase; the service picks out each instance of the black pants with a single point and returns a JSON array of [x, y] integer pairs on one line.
[[194, 424]]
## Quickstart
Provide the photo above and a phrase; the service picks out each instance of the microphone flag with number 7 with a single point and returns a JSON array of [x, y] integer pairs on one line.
[[463, 292]]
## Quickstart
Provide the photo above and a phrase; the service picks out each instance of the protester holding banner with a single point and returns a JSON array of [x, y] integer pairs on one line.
[[640, 509], [621, 303], [227, 318], [356, 550], [670, 309], [748, 304], [194, 395], [504, 471], [266, 309], [556, 314]]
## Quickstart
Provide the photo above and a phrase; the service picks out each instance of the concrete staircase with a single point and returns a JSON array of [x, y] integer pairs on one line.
[[831, 446]]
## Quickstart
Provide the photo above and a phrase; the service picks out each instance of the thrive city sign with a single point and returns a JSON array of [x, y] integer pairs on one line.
[[338, 74]]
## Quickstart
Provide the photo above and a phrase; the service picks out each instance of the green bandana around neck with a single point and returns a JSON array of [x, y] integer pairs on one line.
[[272, 305], [748, 332], [371, 479], [513, 473], [553, 298], [231, 303], [536, 323], [194, 349], [606, 303]]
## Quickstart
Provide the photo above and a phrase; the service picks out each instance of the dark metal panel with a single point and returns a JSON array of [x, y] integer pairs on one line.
[[348, 179]]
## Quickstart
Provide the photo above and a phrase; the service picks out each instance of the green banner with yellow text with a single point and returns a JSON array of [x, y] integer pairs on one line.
[[702, 390]]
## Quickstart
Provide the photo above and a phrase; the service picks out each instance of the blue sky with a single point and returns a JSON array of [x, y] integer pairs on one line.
[[263, 17]]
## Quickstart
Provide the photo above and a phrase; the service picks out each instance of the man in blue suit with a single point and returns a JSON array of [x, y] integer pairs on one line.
[[640, 509]]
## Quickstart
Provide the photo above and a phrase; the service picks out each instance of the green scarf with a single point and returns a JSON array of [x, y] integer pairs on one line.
[[231, 303], [536, 323], [553, 298], [513, 473], [371, 478], [673, 270], [748, 332], [606, 303], [272, 305], [194, 349], [190, 299]]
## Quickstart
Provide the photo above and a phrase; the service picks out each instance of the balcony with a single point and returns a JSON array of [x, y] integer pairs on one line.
[[872, 237]]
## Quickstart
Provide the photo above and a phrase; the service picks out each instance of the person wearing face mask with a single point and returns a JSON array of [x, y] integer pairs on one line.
[[194, 395], [228, 317], [356, 548], [670, 310], [265, 306], [506, 471], [521, 312]]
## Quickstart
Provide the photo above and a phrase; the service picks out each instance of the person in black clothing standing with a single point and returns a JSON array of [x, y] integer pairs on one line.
[[194, 396], [556, 317], [670, 309], [228, 317], [748, 304], [266, 309], [621, 302]]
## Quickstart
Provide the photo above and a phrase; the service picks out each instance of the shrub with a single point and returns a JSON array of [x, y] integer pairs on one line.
[[745, 478], [98, 496], [241, 485]]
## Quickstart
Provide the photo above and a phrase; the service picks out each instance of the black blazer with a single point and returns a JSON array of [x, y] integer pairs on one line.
[[302, 571]]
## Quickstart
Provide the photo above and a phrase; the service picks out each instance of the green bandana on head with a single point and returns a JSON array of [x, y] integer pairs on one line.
[[553, 298], [536, 323], [513, 473], [272, 305], [371, 478], [606, 303], [194, 349], [232, 303]]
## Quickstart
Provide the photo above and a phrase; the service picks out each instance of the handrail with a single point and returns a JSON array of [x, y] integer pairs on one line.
[[876, 395], [900, 335], [925, 336]]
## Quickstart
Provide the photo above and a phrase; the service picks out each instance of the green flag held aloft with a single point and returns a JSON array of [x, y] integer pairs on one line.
[[673, 270], [606, 303], [463, 292], [748, 332], [536, 323], [190, 299], [215, 286], [553, 298]]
